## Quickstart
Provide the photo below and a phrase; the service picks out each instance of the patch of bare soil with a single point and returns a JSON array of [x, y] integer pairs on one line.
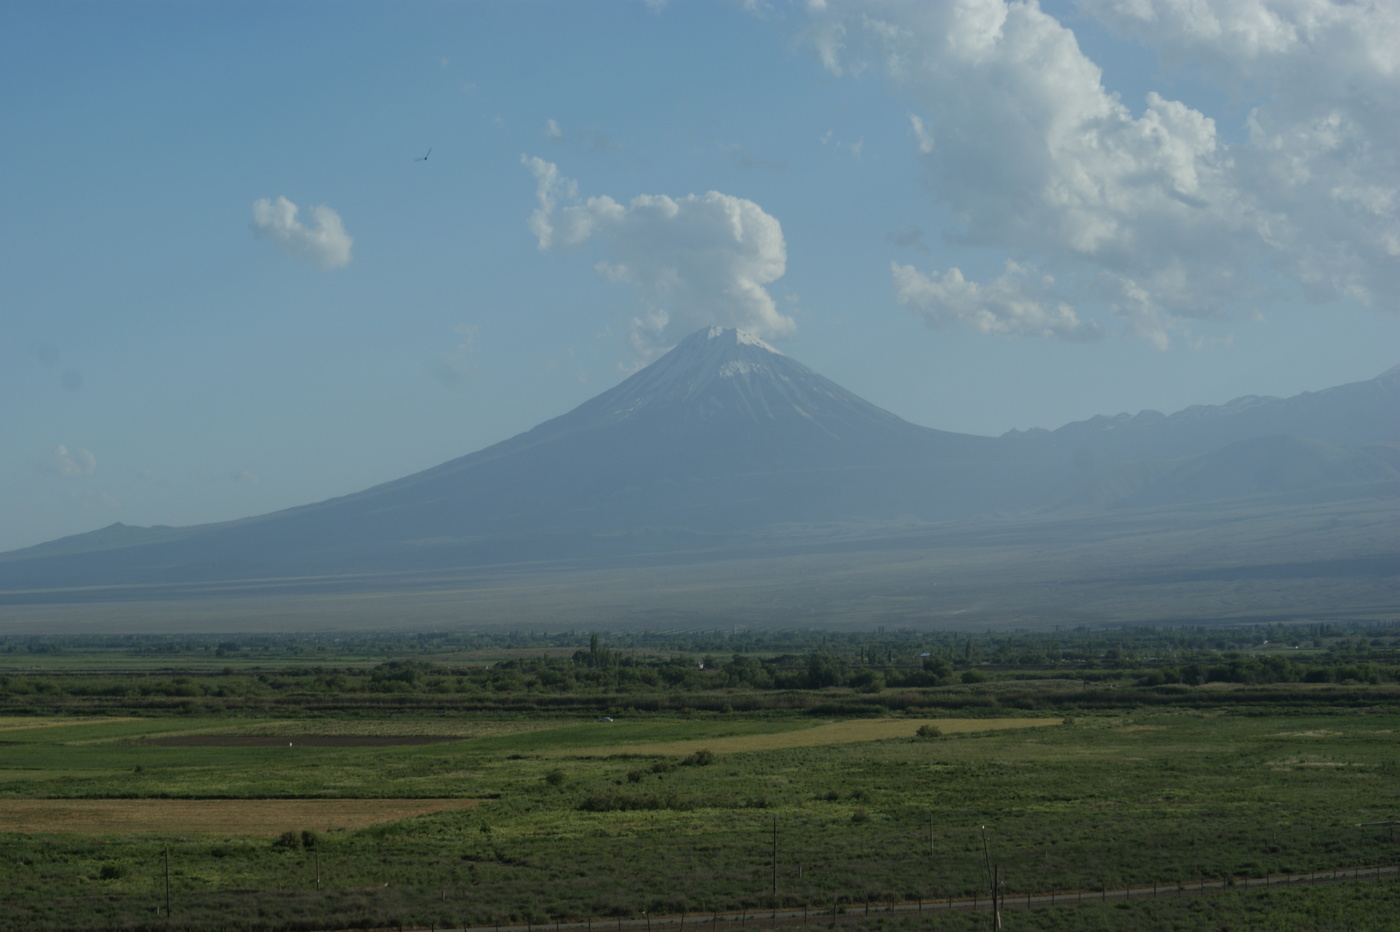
[[258, 817]]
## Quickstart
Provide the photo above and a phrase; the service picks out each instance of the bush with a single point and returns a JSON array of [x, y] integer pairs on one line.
[[702, 758], [616, 801], [929, 731], [861, 815], [554, 777], [287, 841]]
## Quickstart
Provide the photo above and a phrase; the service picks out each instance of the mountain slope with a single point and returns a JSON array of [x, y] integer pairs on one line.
[[1354, 415], [1278, 467], [720, 436], [725, 441]]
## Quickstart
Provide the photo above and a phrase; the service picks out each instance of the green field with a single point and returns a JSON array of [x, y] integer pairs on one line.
[[284, 813]]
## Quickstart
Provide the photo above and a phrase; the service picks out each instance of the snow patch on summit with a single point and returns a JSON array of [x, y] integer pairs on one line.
[[724, 376], [741, 338]]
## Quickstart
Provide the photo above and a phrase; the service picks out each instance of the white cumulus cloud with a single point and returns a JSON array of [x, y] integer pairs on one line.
[[1144, 206], [694, 261], [1322, 161], [324, 244], [1009, 305]]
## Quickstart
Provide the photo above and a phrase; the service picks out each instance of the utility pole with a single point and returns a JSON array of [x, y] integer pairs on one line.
[[775, 860], [993, 878], [996, 897]]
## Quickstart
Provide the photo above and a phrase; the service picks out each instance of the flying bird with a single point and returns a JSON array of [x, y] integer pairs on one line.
[[425, 157]]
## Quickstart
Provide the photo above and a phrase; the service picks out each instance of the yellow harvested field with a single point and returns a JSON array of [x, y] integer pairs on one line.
[[259, 817], [852, 732], [444, 727]]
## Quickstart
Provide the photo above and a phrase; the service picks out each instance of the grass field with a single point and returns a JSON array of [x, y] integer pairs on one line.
[[311, 794]]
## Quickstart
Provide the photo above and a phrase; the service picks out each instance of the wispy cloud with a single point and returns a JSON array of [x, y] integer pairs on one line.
[[69, 463], [324, 244], [590, 139], [453, 370]]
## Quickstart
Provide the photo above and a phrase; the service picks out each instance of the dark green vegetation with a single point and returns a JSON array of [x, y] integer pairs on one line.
[[717, 671], [1185, 754]]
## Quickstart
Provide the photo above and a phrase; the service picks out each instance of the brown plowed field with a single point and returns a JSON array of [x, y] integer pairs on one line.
[[259, 817]]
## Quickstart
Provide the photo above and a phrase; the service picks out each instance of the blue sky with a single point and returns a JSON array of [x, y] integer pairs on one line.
[[228, 286]]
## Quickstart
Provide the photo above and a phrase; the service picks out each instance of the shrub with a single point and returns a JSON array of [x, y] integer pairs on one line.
[[287, 841], [929, 731], [861, 815], [555, 777], [702, 758]]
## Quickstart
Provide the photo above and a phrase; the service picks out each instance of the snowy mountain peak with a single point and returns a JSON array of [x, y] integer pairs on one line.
[[725, 375], [733, 336]]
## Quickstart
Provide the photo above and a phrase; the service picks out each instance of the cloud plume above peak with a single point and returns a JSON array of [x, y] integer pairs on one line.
[[324, 244], [694, 261]]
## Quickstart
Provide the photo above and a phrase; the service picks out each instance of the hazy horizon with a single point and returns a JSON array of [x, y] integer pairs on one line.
[[235, 284]]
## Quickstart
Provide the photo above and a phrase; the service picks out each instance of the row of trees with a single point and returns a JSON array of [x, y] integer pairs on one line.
[[602, 671]]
